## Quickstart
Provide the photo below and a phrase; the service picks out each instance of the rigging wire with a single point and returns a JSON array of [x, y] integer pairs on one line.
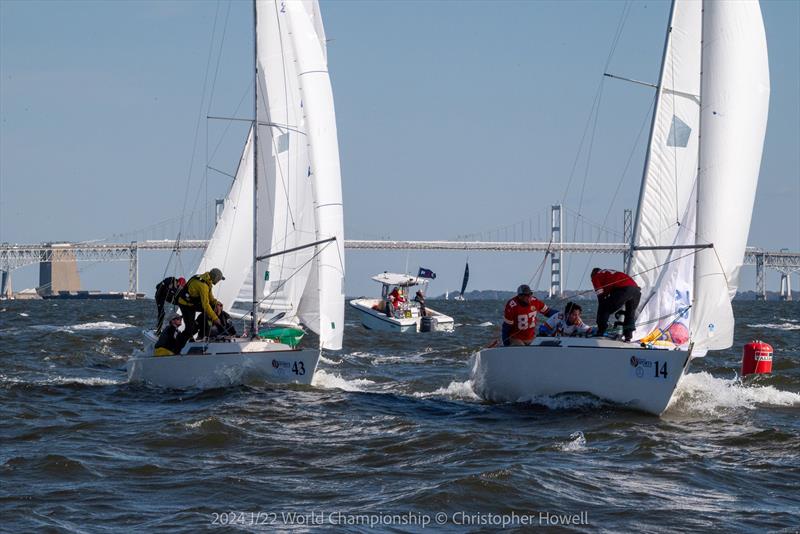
[[199, 117]]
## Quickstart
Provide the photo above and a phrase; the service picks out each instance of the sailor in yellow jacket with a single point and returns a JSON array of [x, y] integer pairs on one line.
[[197, 297]]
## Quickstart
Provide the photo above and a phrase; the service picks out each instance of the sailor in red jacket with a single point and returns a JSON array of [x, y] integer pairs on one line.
[[615, 290], [519, 317]]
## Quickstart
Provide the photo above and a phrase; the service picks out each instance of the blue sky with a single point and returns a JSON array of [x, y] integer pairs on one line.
[[454, 118]]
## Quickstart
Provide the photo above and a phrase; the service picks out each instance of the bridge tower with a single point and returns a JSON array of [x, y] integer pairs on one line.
[[627, 235], [556, 236], [786, 286], [761, 287]]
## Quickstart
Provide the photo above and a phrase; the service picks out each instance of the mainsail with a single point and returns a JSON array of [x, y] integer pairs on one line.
[[298, 190], [692, 182], [735, 96]]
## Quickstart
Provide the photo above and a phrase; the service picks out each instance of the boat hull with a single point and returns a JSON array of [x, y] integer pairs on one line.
[[223, 364], [377, 320], [623, 373]]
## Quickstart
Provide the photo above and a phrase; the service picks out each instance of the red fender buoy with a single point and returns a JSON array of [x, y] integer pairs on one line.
[[756, 358]]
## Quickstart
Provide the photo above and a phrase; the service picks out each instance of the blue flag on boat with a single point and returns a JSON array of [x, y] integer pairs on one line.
[[426, 273]]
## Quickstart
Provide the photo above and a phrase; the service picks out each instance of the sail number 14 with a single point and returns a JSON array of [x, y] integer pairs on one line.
[[648, 369]]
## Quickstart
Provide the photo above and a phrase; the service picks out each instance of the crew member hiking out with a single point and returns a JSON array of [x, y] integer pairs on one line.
[[519, 317], [166, 291], [197, 297], [171, 341], [615, 290]]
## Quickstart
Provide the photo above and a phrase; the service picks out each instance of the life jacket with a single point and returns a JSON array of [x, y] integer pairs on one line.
[[183, 294]]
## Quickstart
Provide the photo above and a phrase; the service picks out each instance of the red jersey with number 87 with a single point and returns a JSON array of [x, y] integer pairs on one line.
[[522, 318]]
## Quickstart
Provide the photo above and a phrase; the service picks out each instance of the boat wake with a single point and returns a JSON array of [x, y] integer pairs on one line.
[[455, 390], [707, 394], [326, 380]]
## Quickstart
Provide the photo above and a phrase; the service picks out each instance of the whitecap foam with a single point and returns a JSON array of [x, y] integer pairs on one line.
[[702, 392], [100, 325], [23, 314], [577, 442], [63, 381], [323, 359], [455, 390], [777, 326], [487, 323], [331, 381]]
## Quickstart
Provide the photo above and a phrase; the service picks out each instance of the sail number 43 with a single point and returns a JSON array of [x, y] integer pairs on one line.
[[298, 368]]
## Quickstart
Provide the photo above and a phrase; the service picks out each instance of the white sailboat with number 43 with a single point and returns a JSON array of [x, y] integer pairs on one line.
[[282, 220], [692, 222]]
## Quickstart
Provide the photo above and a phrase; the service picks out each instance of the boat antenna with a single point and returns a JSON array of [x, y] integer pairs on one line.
[[253, 316]]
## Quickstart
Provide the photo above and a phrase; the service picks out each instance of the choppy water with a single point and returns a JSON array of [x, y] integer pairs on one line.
[[390, 432]]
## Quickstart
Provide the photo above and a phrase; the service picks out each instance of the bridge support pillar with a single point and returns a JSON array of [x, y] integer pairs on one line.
[[786, 286], [761, 287], [556, 236]]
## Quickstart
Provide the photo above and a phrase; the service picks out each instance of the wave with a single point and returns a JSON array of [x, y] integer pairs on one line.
[[777, 326], [577, 442], [565, 401], [331, 381], [707, 394], [487, 323], [63, 381], [83, 327], [323, 359], [455, 390]]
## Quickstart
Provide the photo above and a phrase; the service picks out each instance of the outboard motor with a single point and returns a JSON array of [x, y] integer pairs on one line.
[[427, 324]]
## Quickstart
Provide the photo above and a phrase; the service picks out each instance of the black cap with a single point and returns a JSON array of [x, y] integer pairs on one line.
[[524, 289]]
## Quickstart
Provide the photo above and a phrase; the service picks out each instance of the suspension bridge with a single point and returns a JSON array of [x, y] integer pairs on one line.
[[15, 256]]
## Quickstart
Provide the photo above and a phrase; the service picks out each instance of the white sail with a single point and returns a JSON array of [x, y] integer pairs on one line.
[[229, 248], [325, 174], [735, 104], [285, 201], [666, 212]]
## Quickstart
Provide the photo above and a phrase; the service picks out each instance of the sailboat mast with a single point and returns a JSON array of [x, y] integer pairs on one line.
[[699, 153], [253, 316], [659, 91]]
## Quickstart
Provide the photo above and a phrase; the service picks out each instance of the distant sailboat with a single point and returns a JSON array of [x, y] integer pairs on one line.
[[464, 283]]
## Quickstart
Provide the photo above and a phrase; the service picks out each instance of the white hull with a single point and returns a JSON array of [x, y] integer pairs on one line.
[[378, 320], [622, 373], [223, 364]]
